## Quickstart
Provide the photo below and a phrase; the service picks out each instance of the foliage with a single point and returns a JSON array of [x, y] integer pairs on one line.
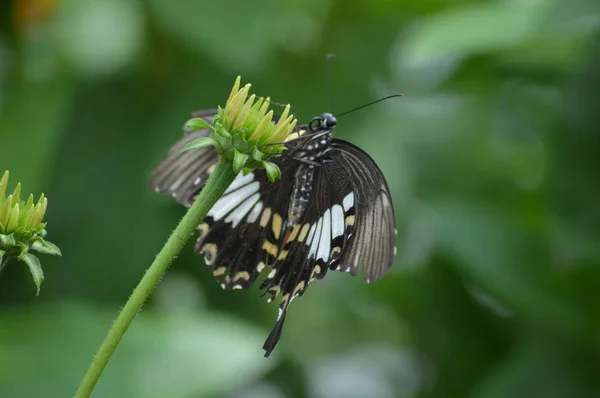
[[491, 156]]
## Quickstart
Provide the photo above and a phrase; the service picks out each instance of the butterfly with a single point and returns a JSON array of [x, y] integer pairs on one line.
[[331, 210]]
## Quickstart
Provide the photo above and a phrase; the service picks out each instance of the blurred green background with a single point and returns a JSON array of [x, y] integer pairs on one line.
[[492, 156]]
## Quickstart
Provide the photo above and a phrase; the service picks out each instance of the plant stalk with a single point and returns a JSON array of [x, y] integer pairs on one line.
[[216, 185]]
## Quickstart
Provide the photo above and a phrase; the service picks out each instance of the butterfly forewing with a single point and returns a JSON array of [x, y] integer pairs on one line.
[[331, 209], [182, 175]]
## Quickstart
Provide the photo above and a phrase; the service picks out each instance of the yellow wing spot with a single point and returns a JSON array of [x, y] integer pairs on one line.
[[304, 232], [282, 255], [219, 271], [292, 235], [350, 220], [260, 266], [210, 252], [276, 225], [211, 169], [295, 135], [292, 136], [270, 248], [241, 275], [285, 299], [315, 271], [274, 290], [335, 250], [264, 219], [203, 229], [299, 287], [272, 274]]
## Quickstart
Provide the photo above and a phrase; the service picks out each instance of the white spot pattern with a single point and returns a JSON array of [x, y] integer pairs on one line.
[[325, 238], [255, 212], [314, 246], [238, 214], [348, 201], [337, 221], [229, 202], [240, 180]]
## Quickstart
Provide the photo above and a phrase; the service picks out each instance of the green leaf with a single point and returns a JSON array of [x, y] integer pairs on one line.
[[273, 172], [199, 143], [537, 367], [164, 354], [84, 37], [42, 246], [48, 99], [35, 268], [493, 249], [239, 160], [209, 39], [2, 253], [472, 30], [197, 124]]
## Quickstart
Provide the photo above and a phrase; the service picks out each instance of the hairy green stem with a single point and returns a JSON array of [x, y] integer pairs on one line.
[[220, 179]]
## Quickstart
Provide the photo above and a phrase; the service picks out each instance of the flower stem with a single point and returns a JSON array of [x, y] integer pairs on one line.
[[220, 179]]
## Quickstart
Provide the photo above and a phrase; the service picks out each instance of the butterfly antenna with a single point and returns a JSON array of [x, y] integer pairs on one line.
[[369, 104], [328, 77], [292, 108]]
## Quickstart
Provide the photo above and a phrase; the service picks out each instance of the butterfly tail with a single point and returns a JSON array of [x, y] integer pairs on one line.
[[275, 334]]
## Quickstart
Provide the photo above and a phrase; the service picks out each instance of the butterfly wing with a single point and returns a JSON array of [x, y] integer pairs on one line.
[[374, 241], [242, 233], [349, 222], [182, 175]]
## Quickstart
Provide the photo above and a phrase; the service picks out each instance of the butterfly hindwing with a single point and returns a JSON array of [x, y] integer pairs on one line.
[[242, 233], [316, 241]]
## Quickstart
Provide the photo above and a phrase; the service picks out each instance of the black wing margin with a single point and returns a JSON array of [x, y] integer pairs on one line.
[[374, 241]]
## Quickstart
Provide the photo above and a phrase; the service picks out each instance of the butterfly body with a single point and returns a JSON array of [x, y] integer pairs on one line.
[[331, 210]]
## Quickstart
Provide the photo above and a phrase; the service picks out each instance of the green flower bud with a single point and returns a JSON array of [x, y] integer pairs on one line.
[[244, 133], [22, 229]]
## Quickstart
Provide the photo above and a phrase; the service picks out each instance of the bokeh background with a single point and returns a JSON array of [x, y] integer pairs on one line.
[[492, 156]]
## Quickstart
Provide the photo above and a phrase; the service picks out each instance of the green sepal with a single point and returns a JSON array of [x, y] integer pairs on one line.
[[7, 240], [273, 172], [222, 131], [273, 148], [197, 124], [199, 143], [239, 160], [257, 154], [44, 247], [35, 268], [246, 170], [2, 253]]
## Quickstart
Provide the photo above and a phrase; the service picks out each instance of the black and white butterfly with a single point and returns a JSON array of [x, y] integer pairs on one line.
[[331, 209]]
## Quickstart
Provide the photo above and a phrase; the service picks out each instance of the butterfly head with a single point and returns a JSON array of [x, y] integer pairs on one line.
[[326, 121]]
